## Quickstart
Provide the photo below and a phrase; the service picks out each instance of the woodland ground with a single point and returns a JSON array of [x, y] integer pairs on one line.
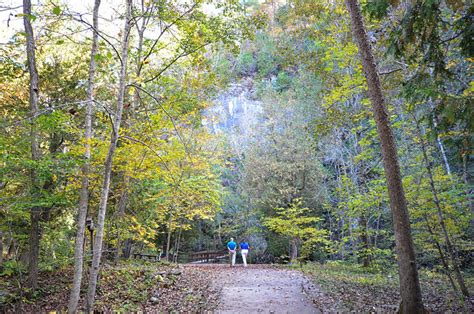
[[132, 286], [353, 287]]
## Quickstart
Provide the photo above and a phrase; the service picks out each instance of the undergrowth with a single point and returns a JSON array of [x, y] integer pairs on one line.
[[354, 287]]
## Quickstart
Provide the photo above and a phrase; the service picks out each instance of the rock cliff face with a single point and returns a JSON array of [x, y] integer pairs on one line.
[[235, 113]]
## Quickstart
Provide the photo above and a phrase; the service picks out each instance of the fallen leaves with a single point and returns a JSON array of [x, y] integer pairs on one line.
[[353, 288], [128, 286]]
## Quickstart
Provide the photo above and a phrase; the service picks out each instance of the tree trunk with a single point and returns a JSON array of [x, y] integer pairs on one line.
[[410, 291], [441, 254], [1, 250], [168, 239], [442, 223], [136, 101], [127, 249], [364, 238], [122, 204], [443, 154], [94, 271], [466, 176], [84, 194], [177, 243], [35, 212], [294, 250]]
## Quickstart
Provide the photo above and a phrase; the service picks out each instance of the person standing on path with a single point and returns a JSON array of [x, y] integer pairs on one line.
[[232, 247], [244, 250]]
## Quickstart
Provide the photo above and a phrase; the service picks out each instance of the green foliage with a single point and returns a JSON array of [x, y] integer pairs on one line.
[[282, 82], [308, 174], [245, 64], [296, 223], [12, 267]]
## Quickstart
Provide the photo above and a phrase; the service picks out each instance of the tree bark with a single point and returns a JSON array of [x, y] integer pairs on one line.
[[127, 249], [122, 204], [94, 271], [410, 291], [84, 194], [1, 250], [466, 176], [294, 250], [177, 243], [35, 213], [168, 238]]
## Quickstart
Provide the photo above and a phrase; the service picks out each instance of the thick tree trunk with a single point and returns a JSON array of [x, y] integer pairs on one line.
[[84, 194], [442, 223], [35, 213], [409, 283], [94, 271]]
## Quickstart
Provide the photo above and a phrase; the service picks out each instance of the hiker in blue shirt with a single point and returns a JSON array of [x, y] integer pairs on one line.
[[244, 250], [232, 247]]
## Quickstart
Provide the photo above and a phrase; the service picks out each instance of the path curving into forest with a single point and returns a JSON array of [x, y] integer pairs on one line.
[[263, 289]]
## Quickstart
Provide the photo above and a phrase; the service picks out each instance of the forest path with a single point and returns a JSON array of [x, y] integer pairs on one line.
[[263, 289]]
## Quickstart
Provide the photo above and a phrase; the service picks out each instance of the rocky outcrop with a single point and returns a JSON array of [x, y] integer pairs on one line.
[[235, 113]]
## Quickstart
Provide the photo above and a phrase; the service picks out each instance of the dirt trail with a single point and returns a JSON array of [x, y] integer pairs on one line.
[[262, 289]]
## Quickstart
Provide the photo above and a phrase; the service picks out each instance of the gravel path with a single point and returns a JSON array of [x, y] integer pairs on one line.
[[262, 289]]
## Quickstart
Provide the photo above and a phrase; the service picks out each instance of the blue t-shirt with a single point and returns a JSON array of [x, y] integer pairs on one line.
[[231, 245], [244, 246]]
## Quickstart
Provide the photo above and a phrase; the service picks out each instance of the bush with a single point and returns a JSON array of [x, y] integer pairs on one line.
[[282, 82], [246, 64]]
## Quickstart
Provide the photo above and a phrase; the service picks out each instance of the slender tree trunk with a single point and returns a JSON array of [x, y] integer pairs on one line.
[[364, 238], [127, 248], [294, 250], [441, 254], [409, 283], [136, 101], [1, 250], [94, 271], [219, 235], [178, 241], [442, 223], [168, 239], [377, 229], [35, 212], [443, 154], [466, 176], [122, 204], [84, 194]]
